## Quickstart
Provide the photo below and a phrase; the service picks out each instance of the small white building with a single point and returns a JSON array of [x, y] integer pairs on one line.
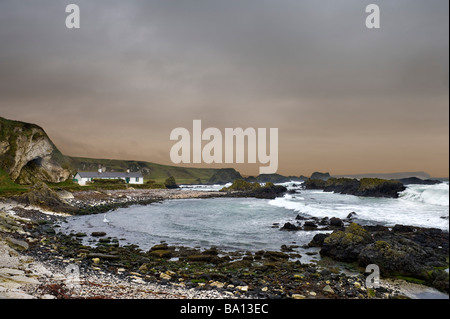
[[130, 178]]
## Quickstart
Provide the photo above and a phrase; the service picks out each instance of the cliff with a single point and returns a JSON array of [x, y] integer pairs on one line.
[[28, 155]]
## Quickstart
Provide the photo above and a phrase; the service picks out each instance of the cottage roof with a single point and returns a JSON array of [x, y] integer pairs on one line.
[[109, 174]]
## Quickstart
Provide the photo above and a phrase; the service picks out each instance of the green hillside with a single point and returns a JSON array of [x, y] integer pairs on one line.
[[151, 171], [7, 186]]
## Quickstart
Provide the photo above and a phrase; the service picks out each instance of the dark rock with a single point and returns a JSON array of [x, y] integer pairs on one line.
[[351, 215], [403, 229], [290, 227], [317, 240], [416, 180], [400, 257], [346, 245], [242, 188], [98, 234], [309, 225], [285, 248], [163, 246], [224, 175], [276, 255], [211, 251], [372, 187], [321, 176], [377, 229], [170, 183], [161, 253], [336, 222]]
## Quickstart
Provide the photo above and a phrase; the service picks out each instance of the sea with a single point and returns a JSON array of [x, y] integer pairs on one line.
[[251, 224]]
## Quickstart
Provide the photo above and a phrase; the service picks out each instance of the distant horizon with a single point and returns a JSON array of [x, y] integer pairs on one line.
[[236, 166], [247, 175]]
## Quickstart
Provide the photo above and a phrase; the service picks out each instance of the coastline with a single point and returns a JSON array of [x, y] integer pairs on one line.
[[39, 258]]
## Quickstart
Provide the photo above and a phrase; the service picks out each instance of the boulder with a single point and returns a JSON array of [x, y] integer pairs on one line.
[[309, 225], [399, 257], [346, 245], [42, 196], [290, 227], [98, 234], [17, 244], [336, 222], [317, 240]]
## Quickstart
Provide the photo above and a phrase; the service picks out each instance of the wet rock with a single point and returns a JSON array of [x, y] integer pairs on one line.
[[204, 258], [290, 227], [403, 257], [161, 253], [403, 229], [336, 222], [373, 187], [309, 225], [346, 245], [317, 240], [351, 215], [98, 234], [211, 251], [285, 248], [276, 255]]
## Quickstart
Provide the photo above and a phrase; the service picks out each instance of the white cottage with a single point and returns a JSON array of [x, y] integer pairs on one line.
[[130, 178]]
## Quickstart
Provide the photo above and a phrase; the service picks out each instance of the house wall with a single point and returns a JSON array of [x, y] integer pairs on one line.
[[82, 181], [133, 180]]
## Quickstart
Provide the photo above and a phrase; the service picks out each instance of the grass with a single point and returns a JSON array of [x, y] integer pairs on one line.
[[8, 187], [151, 171]]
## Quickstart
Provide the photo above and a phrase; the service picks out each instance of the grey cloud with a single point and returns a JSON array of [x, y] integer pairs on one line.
[[309, 67]]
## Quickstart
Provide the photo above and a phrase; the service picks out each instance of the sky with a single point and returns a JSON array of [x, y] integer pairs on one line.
[[345, 99]]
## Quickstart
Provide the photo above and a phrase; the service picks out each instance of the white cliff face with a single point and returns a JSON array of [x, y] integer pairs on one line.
[[28, 154]]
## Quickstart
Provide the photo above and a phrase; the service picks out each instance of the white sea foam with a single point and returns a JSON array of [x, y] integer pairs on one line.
[[429, 194], [418, 205]]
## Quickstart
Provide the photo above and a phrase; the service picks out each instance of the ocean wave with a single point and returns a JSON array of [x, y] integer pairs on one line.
[[428, 194]]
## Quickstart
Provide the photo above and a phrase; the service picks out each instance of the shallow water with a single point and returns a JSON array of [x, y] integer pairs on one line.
[[248, 223], [228, 223]]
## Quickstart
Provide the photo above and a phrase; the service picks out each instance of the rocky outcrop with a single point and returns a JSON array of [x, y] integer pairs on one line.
[[346, 245], [273, 178], [369, 187], [224, 175], [242, 188], [415, 181], [28, 155], [40, 195], [321, 176], [409, 251]]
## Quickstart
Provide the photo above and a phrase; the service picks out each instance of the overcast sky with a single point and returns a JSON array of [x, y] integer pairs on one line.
[[346, 99]]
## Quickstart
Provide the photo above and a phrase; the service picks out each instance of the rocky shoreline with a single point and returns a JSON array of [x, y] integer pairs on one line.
[[36, 261]]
